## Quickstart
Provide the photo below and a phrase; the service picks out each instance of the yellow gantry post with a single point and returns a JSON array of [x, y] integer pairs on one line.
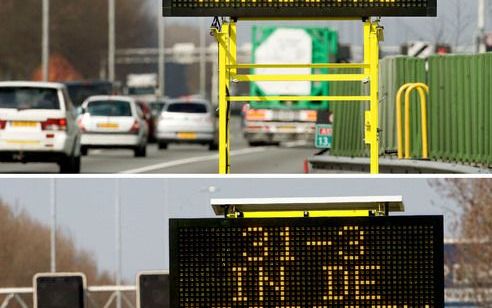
[[372, 35], [223, 39]]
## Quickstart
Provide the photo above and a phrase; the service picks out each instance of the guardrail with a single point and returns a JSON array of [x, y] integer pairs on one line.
[[18, 296], [328, 163], [452, 296], [459, 123]]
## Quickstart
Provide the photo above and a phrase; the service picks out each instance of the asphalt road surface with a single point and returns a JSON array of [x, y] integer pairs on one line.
[[286, 158]]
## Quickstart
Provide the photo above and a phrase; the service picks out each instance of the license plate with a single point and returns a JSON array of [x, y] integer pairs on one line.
[[23, 124], [187, 135], [286, 115], [107, 125], [22, 141], [287, 128]]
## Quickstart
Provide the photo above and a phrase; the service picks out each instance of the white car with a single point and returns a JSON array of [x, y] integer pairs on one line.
[[187, 121], [37, 124], [113, 122]]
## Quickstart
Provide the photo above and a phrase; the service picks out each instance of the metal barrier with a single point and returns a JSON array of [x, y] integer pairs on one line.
[[459, 121], [225, 35], [17, 295], [407, 89]]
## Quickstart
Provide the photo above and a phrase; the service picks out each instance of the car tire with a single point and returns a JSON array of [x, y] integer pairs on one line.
[[162, 146], [213, 146], [84, 151], [70, 164], [254, 143], [140, 151]]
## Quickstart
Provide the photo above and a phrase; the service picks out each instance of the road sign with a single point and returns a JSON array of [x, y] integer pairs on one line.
[[59, 290], [153, 290], [323, 138], [297, 8], [285, 46], [420, 49], [307, 262]]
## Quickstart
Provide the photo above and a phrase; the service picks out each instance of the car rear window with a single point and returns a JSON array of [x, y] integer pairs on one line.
[[29, 98], [187, 107], [109, 108]]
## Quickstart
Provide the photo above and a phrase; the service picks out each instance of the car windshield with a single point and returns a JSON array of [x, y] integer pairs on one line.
[[109, 108], [141, 91], [187, 107], [29, 98]]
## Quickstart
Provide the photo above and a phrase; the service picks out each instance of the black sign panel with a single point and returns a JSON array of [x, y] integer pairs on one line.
[[299, 8], [307, 262], [60, 291], [153, 290]]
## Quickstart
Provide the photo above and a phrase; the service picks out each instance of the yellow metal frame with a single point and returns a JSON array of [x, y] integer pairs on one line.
[[407, 89], [228, 72], [299, 214]]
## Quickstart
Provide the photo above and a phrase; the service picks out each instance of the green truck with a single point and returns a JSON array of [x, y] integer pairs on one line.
[[278, 121]]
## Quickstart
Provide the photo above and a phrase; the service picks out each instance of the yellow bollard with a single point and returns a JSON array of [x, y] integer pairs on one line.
[[423, 89], [399, 139]]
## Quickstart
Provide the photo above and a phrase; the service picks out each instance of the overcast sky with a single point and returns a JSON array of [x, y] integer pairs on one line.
[[456, 18], [86, 207]]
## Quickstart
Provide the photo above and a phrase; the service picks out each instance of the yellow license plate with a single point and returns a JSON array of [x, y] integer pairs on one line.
[[31, 142], [287, 127], [107, 125], [187, 135], [23, 124]]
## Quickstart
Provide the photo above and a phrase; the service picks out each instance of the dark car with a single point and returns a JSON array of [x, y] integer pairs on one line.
[[157, 106], [147, 113], [81, 90]]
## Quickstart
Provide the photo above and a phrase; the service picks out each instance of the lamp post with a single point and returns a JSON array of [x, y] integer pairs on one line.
[[203, 60], [53, 227], [161, 22], [45, 40], [117, 205], [111, 39], [481, 26]]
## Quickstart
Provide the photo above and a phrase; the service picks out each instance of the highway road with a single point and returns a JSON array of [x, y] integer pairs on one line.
[[178, 159]]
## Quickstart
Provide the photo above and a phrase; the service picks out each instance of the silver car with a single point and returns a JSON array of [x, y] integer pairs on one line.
[[187, 121]]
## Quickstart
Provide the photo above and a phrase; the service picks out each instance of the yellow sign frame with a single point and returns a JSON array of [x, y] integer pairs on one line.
[[228, 67]]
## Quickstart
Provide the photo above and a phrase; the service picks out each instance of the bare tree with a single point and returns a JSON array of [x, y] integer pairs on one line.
[[461, 21], [25, 252], [475, 229], [78, 30]]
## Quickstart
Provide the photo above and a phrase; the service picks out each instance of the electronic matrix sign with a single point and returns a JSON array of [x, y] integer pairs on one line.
[[299, 8], [307, 262]]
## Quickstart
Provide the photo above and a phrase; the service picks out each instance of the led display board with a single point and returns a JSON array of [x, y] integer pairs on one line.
[[307, 262], [299, 8]]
